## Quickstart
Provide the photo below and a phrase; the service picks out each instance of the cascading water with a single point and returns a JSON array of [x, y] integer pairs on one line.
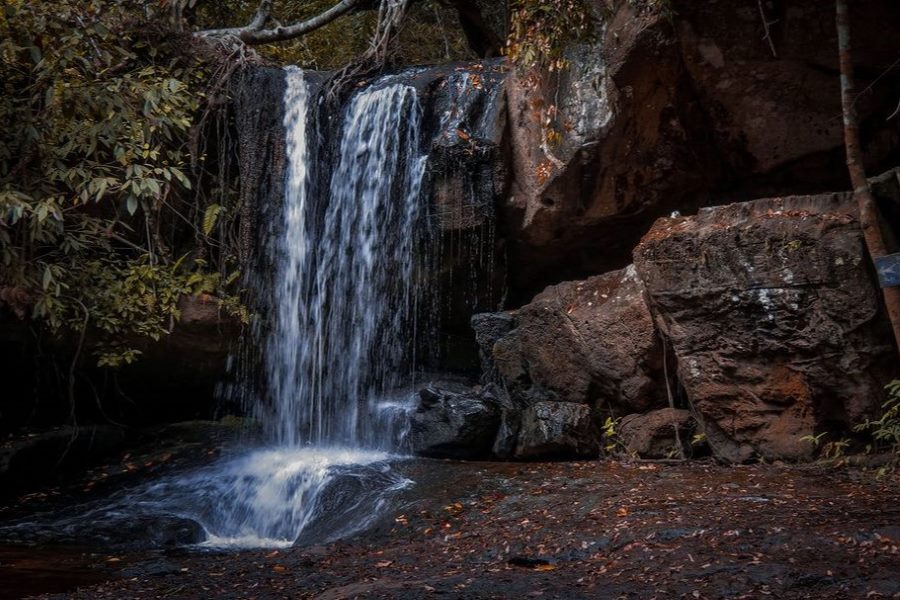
[[343, 305], [344, 278], [341, 331]]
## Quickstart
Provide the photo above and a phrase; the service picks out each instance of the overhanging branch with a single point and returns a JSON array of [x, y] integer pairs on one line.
[[254, 32]]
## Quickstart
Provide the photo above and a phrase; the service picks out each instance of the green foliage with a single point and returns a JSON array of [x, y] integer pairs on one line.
[[540, 31], [612, 444], [832, 451], [885, 431], [99, 102]]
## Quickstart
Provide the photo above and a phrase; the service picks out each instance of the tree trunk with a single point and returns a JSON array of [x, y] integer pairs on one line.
[[869, 217], [482, 40]]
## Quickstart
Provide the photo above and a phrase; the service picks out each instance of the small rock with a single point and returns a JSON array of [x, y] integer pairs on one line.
[[557, 430], [454, 425]]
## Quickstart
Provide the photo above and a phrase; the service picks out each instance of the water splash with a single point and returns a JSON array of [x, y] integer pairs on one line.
[[261, 499]]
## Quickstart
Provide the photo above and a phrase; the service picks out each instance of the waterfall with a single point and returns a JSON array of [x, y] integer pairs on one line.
[[338, 304], [344, 279], [341, 337], [339, 289]]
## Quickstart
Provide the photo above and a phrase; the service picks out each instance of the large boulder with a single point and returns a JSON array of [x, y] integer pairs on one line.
[[454, 425], [590, 342], [557, 430], [773, 317]]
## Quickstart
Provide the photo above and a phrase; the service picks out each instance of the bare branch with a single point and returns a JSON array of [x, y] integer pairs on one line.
[[894, 114], [766, 25], [390, 17], [253, 33], [262, 15]]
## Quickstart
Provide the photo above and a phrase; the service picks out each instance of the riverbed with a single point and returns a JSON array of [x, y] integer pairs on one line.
[[545, 530]]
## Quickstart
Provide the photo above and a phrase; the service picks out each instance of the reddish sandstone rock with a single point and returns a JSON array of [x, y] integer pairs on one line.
[[774, 319], [590, 341], [676, 104]]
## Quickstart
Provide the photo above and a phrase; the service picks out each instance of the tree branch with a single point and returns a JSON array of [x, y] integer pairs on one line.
[[253, 33]]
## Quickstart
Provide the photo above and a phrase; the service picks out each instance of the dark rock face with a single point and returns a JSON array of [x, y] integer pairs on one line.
[[454, 425], [465, 121], [676, 107], [485, 422], [780, 109], [590, 342], [773, 317], [42, 457], [467, 177], [489, 328], [652, 435], [557, 430]]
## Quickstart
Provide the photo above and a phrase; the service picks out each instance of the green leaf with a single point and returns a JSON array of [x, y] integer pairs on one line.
[[210, 217], [181, 177], [132, 204]]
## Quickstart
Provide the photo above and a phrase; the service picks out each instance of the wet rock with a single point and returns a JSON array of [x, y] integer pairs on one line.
[[489, 328], [510, 423], [652, 435], [530, 562], [557, 430], [454, 425], [466, 119], [143, 531], [774, 319], [153, 568], [590, 341]]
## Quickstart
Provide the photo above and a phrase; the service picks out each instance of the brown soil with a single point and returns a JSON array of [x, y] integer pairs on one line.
[[570, 531]]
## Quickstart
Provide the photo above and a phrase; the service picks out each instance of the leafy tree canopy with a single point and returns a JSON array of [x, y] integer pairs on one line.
[[97, 172]]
